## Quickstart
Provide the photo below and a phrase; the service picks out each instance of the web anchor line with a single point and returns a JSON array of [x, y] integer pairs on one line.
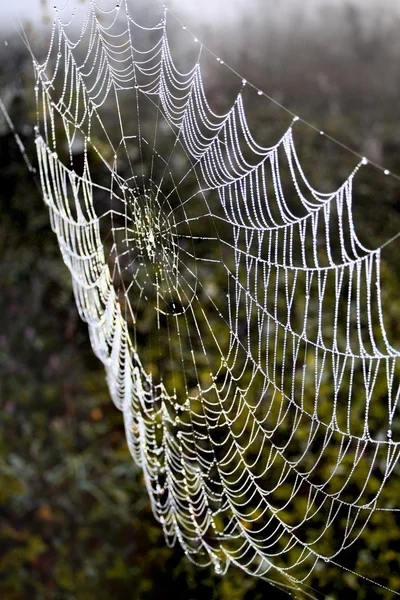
[[18, 140]]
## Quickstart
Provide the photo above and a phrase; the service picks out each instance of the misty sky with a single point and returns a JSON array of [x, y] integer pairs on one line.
[[223, 9], [211, 10]]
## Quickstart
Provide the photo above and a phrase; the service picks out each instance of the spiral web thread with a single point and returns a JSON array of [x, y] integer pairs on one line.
[[260, 395]]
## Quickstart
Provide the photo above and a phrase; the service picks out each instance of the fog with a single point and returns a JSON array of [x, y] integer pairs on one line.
[[232, 10], [214, 12]]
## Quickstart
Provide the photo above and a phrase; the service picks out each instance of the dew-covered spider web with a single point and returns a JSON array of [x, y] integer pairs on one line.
[[239, 316]]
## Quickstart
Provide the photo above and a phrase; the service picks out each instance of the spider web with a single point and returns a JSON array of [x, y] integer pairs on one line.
[[238, 315]]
